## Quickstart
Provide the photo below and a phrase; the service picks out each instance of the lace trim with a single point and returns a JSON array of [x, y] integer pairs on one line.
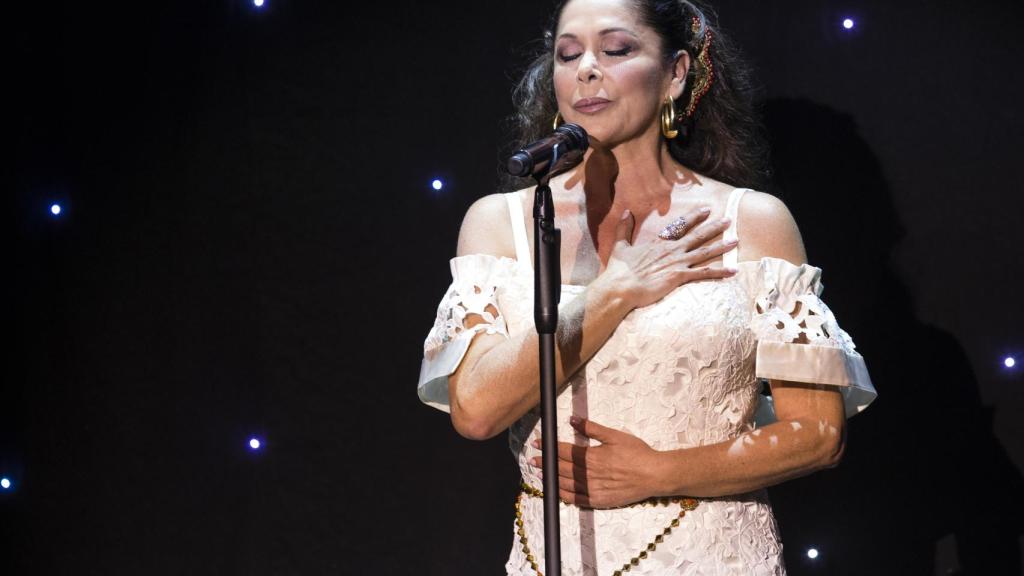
[[465, 301], [789, 307], [799, 339], [471, 302]]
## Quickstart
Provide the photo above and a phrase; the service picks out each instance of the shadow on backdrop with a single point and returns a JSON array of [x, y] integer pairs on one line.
[[925, 487]]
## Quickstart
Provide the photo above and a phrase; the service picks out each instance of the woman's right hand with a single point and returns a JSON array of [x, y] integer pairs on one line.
[[645, 273]]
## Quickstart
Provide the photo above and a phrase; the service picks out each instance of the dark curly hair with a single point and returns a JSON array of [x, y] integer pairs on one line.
[[724, 139]]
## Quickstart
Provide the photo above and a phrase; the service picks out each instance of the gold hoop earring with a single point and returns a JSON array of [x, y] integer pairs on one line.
[[668, 118], [557, 122]]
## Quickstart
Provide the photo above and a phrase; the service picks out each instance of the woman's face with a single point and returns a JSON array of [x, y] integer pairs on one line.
[[603, 52]]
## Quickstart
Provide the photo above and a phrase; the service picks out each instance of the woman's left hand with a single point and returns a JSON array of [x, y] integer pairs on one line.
[[622, 470]]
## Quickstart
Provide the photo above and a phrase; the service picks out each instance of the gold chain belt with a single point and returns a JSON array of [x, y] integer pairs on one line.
[[685, 504]]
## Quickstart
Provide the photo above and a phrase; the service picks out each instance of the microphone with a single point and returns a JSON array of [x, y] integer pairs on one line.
[[569, 140]]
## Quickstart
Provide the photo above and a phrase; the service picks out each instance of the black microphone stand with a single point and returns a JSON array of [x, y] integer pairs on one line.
[[547, 290], [566, 150]]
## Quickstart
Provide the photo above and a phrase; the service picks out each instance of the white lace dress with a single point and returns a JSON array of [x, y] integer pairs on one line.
[[679, 373]]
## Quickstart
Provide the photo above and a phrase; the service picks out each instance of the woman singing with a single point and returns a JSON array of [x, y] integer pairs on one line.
[[687, 289]]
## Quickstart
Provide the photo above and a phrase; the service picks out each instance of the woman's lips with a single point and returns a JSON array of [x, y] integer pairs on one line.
[[591, 105]]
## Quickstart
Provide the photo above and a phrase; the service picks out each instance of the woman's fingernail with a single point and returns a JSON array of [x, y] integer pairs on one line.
[[625, 214], [574, 419], [705, 210]]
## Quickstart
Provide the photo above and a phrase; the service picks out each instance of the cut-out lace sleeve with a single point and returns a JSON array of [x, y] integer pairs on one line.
[[469, 307], [798, 338]]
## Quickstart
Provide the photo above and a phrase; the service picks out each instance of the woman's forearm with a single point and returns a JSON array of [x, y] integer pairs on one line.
[[504, 383], [756, 459]]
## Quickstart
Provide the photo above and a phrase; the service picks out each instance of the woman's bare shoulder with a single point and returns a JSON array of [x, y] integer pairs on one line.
[[766, 227], [714, 191], [487, 228]]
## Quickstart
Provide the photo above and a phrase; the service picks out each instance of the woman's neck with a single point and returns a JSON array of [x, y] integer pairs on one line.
[[639, 175]]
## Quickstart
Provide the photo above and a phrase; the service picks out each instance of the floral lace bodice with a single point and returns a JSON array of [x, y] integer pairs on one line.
[[682, 372]]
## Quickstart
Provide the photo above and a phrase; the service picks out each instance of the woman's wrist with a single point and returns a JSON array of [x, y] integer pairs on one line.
[[666, 480], [611, 293]]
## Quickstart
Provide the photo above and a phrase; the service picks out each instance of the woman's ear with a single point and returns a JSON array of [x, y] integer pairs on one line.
[[680, 67]]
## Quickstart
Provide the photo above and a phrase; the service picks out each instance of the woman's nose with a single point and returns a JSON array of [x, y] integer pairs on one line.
[[588, 69]]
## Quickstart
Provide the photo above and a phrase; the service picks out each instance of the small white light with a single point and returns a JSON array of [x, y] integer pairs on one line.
[[437, 184], [55, 209], [254, 443], [812, 553], [848, 23], [258, 3], [5, 483], [1009, 362]]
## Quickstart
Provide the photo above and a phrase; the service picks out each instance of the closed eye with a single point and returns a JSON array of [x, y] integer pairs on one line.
[[623, 52]]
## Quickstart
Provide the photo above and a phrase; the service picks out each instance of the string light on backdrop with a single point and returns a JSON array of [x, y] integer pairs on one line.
[[1009, 362], [812, 553], [5, 483], [437, 184], [848, 23], [258, 3], [254, 443], [55, 209]]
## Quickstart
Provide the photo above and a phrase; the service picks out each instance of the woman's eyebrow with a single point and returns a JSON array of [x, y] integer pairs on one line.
[[602, 33]]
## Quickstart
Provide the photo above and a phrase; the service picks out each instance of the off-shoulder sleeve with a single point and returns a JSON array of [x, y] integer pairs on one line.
[[472, 298], [798, 338]]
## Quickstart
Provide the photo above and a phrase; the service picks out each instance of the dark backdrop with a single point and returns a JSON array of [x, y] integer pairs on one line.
[[250, 246]]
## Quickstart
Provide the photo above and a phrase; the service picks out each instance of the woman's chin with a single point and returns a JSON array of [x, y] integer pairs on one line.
[[603, 139], [600, 143]]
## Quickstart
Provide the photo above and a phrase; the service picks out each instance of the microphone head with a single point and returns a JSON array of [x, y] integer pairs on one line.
[[570, 139], [577, 135]]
